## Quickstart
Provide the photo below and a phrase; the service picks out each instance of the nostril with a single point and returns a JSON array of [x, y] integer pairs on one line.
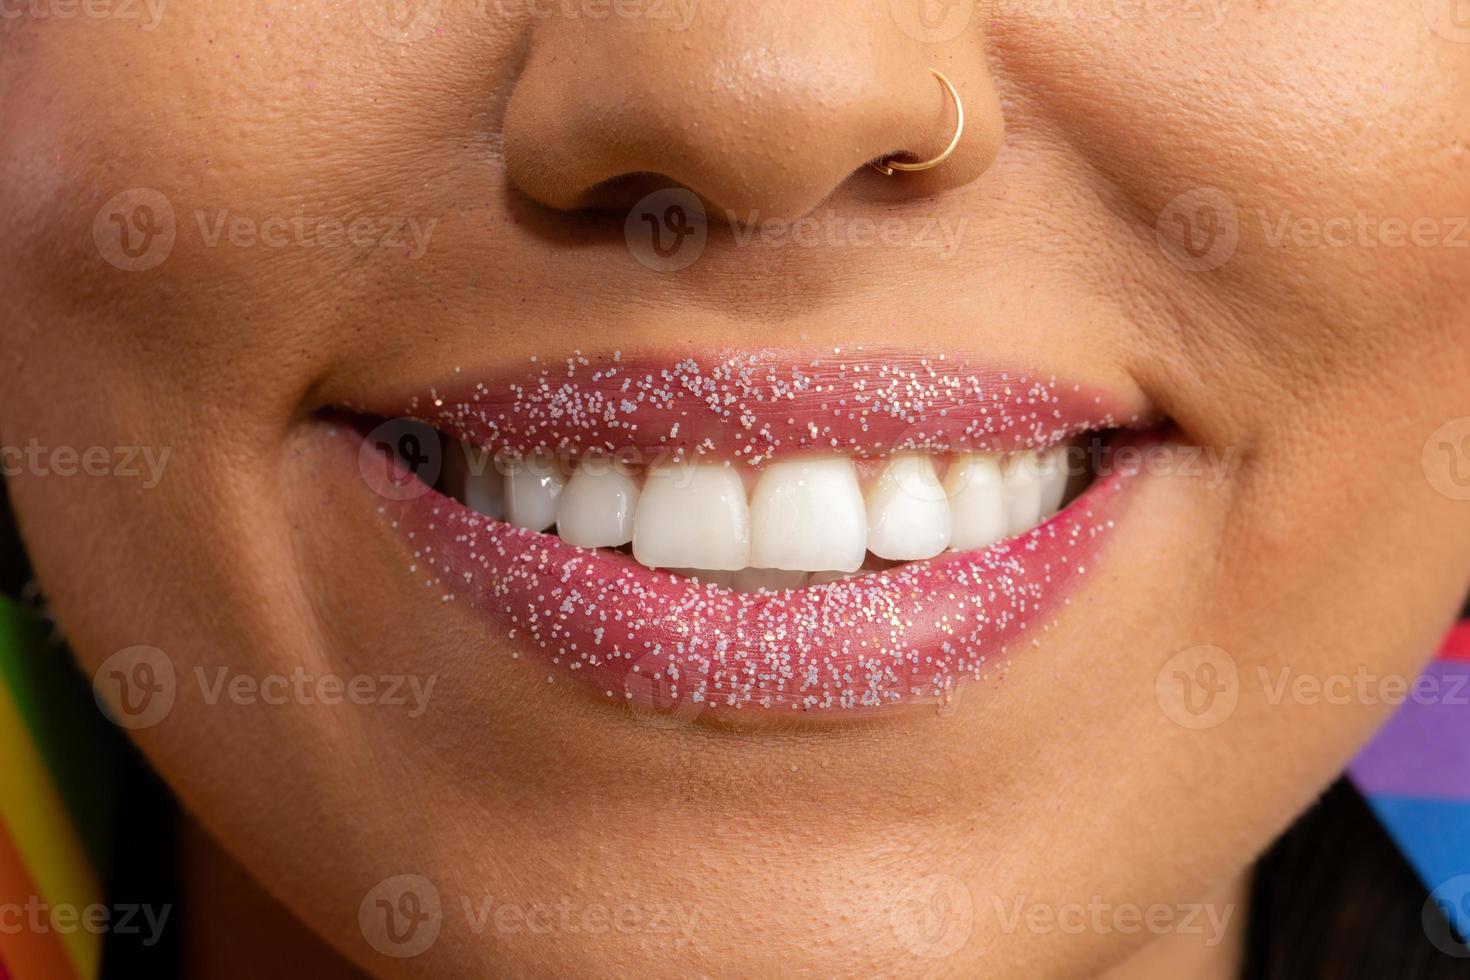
[[622, 193]]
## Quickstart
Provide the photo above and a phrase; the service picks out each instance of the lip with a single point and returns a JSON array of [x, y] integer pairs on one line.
[[752, 406], [913, 634]]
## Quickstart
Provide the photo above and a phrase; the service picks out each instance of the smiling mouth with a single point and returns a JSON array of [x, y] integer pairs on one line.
[[836, 534]]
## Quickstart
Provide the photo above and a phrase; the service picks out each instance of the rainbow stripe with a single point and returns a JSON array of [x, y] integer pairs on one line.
[[55, 804], [1416, 774]]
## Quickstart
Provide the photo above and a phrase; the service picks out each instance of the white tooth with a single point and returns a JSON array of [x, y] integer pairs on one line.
[[977, 502], [484, 490], [723, 579], [1021, 479], [908, 513], [532, 487], [596, 508], [470, 475], [692, 516], [808, 515], [1054, 476], [769, 579]]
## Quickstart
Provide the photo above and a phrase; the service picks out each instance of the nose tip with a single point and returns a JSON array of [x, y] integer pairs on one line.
[[761, 108]]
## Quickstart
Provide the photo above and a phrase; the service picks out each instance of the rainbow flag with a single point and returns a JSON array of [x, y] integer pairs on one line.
[[56, 806], [1415, 775]]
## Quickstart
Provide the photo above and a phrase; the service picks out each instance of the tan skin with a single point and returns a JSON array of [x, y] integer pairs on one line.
[[1324, 369]]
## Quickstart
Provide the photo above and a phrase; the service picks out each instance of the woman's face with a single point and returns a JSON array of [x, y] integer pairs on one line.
[[1243, 222]]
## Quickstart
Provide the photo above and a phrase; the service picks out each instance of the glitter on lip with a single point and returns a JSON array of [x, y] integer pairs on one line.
[[752, 406], [662, 642], [655, 640]]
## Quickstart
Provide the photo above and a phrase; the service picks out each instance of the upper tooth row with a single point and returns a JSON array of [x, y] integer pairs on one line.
[[804, 514]]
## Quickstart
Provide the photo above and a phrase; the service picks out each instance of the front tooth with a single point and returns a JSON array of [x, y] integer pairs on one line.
[[532, 487], [1054, 477], [977, 501], [471, 476], [692, 516], [808, 515], [1021, 480], [596, 508], [769, 579], [908, 513]]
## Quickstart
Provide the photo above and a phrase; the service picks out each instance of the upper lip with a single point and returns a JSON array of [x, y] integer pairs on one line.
[[753, 406]]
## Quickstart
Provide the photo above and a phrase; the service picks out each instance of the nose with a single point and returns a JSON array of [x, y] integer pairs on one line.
[[762, 107]]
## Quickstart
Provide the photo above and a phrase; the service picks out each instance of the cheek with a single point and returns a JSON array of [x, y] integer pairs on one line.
[[1294, 195], [196, 228]]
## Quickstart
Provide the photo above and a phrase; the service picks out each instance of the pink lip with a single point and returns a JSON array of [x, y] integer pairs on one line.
[[751, 406], [658, 641]]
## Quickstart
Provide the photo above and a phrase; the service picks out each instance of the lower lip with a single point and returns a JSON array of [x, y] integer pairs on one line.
[[659, 642]]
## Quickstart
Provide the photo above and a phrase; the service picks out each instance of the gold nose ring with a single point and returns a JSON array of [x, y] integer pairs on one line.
[[886, 167]]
